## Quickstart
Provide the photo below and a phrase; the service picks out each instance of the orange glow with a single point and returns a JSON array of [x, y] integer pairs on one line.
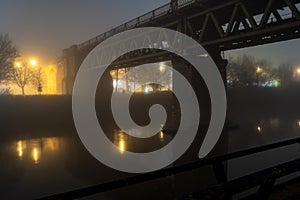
[[20, 149], [18, 64], [122, 146], [51, 75], [51, 143], [33, 62], [259, 129], [298, 71], [298, 123], [258, 70], [35, 155], [35, 148]]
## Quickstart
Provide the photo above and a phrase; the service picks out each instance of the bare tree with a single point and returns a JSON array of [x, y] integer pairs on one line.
[[37, 79], [246, 70], [8, 54], [21, 75]]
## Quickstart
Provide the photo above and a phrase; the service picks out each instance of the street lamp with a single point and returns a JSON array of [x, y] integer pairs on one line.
[[258, 71], [33, 62]]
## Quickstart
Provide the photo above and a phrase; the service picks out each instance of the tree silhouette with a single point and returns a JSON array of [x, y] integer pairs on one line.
[[8, 54], [21, 75], [37, 79], [247, 71]]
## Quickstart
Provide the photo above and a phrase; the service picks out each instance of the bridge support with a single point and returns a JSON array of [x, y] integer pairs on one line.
[[200, 88], [221, 63]]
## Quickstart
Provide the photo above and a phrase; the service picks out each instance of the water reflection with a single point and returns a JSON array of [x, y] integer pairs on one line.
[[125, 142], [33, 149], [35, 155], [122, 144], [20, 149], [161, 135], [256, 131]]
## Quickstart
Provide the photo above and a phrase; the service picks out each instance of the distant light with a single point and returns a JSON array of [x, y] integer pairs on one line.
[[117, 83], [146, 90], [161, 126], [162, 68], [18, 64], [258, 70], [299, 123], [20, 149], [298, 71], [259, 129], [33, 62], [203, 55]]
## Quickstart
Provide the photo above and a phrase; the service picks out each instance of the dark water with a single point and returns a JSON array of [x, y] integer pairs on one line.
[[49, 162]]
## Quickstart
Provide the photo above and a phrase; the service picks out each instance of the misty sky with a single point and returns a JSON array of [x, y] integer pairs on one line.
[[43, 28]]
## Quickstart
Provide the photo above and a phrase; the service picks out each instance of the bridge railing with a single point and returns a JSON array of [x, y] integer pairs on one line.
[[163, 10], [184, 3], [233, 187]]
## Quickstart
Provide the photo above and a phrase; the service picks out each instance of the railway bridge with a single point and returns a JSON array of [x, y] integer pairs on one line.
[[218, 25]]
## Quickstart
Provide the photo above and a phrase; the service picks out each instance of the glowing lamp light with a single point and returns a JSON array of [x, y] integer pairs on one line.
[[33, 62], [298, 71], [18, 64], [259, 129], [258, 70], [146, 90]]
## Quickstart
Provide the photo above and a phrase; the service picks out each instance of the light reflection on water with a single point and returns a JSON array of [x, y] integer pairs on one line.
[[122, 140], [51, 159], [34, 149], [258, 132]]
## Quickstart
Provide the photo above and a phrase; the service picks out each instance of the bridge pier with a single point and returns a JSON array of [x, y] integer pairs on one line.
[[200, 88], [197, 82], [221, 63]]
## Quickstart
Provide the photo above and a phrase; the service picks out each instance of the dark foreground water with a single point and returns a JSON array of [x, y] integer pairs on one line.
[[36, 162]]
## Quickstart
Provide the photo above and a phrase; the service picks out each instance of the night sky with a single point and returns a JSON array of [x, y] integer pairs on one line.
[[43, 28]]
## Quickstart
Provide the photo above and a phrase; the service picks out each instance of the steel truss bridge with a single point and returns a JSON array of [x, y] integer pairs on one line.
[[218, 25]]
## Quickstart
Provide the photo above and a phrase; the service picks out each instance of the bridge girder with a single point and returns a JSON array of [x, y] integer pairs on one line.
[[217, 25]]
